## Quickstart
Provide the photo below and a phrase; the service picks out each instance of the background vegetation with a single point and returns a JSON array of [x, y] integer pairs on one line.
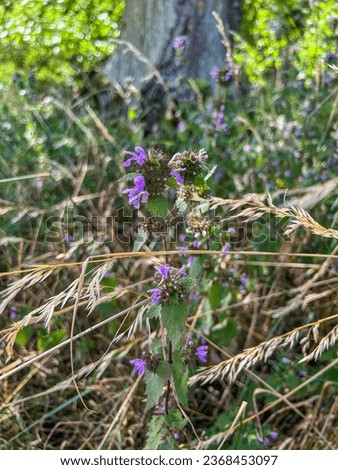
[[270, 127]]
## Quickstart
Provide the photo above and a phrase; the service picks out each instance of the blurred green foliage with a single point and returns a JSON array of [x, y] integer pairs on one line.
[[269, 29], [55, 39]]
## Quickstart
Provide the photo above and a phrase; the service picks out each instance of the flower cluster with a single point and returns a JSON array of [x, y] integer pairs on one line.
[[138, 193], [179, 42], [170, 284], [191, 352], [139, 156]]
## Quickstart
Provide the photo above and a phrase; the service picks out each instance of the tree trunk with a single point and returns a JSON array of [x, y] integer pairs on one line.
[[145, 56]]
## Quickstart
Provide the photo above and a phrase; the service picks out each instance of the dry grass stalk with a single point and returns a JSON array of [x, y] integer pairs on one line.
[[251, 208], [231, 368]]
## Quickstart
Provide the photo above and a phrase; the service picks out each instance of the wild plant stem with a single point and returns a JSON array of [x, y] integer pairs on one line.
[[170, 360]]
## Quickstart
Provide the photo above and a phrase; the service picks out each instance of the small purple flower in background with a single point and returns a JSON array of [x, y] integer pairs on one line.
[[287, 174], [243, 280], [139, 365], [214, 72], [274, 434], [176, 436], [155, 295], [195, 297], [286, 360], [229, 73], [69, 238], [202, 352], [189, 341], [191, 260], [219, 120], [266, 441], [177, 176], [181, 237], [225, 248], [302, 373], [12, 312], [196, 244], [232, 230], [246, 148], [138, 194], [298, 130], [164, 270], [179, 42], [181, 126], [139, 156], [218, 174]]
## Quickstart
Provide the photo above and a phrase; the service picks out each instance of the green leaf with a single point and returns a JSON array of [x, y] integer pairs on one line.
[[154, 388], [181, 204], [180, 376], [153, 311], [163, 370], [156, 346], [215, 294], [225, 332], [174, 317], [158, 206], [175, 420], [155, 433], [49, 340], [187, 282], [196, 266], [24, 335], [142, 236]]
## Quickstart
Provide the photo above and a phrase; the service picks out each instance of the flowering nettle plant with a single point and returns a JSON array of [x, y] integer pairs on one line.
[[164, 188]]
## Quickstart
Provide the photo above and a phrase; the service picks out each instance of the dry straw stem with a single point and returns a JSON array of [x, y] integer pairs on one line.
[[251, 208], [231, 368]]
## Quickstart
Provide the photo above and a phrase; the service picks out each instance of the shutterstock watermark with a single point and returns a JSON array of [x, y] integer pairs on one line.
[[128, 228]]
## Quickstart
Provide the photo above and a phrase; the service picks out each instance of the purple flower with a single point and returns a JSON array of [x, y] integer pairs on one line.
[[155, 295], [243, 280], [218, 175], [286, 360], [214, 72], [181, 271], [176, 174], [191, 260], [266, 441], [219, 120], [201, 353], [302, 373], [164, 270], [225, 248], [232, 230], [12, 312], [139, 156], [274, 434], [196, 244], [138, 194], [176, 436], [139, 365], [69, 238], [246, 148], [181, 126], [179, 42]]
